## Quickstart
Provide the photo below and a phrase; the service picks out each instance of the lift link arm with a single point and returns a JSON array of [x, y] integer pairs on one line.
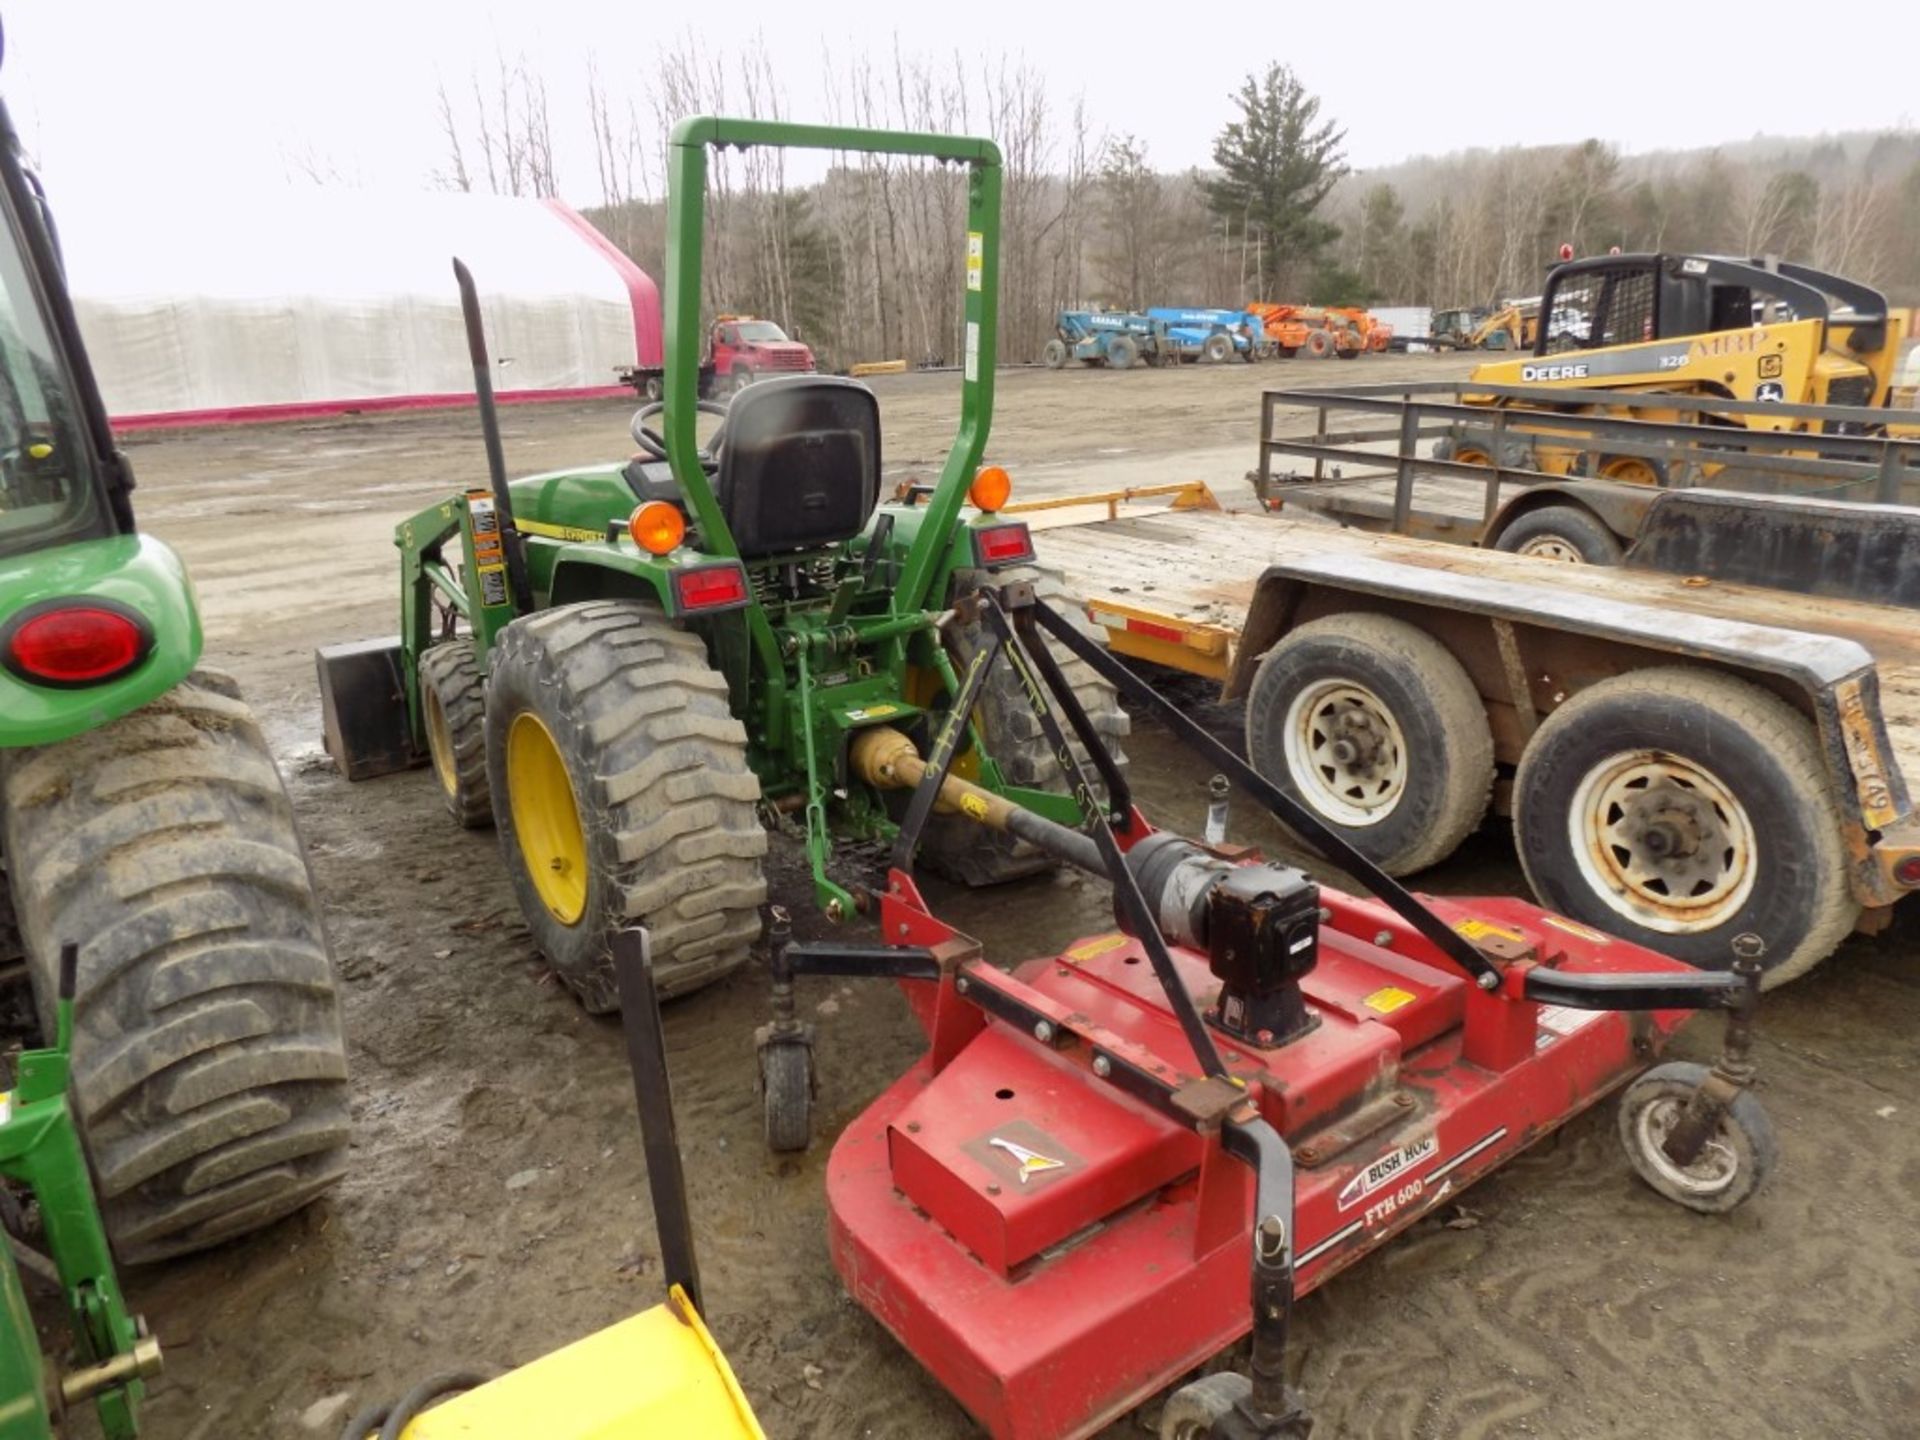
[[1294, 815], [1703, 990], [1139, 916]]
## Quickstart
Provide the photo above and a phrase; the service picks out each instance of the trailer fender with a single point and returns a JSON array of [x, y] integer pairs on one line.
[[1619, 506], [1833, 680]]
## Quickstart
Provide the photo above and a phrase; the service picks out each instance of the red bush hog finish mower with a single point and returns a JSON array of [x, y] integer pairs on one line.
[[1114, 1162]]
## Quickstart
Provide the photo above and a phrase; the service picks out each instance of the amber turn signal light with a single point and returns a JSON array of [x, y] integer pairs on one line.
[[657, 527], [990, 489]]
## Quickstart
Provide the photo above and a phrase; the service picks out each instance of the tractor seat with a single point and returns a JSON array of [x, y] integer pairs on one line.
[[800, 464]]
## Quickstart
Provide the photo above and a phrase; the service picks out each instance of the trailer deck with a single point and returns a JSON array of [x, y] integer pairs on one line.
[[1171, 583]]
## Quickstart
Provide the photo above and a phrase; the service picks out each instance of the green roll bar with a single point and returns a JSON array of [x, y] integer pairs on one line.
[[686, 226]]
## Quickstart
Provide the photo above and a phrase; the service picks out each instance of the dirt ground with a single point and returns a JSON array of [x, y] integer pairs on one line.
[[497, 1206]]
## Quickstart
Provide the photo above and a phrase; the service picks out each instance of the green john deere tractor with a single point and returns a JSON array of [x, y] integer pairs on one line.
[[145, 834], [625, 668]]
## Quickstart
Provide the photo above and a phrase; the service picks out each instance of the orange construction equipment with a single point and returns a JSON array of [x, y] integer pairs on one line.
[[1315, 329]]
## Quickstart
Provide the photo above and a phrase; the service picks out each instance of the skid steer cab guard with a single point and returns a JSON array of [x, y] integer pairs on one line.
[[627, 668]]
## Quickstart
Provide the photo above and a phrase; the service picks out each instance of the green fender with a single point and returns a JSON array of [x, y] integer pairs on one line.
[[135, 570]]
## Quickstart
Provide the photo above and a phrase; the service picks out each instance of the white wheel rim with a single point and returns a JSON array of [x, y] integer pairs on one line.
[[1712, 1171], [1663, 842], [1345, 752], [1553, 547]]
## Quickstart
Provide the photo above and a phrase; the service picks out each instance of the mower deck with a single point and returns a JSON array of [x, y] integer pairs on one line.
[[1055, 1250]]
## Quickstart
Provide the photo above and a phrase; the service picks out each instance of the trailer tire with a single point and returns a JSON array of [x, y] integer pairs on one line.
[[1680, 808], [1372, 724], [1217, 350], [209, 1067], [971, 853], [1122, 352], [654, 388], [1566, 533], [1054, 354], [454, 704], [610, 701]]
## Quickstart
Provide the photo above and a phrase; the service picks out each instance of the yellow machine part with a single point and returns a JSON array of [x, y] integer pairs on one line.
[[656, 1375]]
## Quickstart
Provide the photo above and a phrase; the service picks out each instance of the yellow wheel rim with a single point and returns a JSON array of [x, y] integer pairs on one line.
[[546, 821], [1630, 469], [440, 740]]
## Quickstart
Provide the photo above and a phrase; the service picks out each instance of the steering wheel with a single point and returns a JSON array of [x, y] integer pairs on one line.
[[655, 444]]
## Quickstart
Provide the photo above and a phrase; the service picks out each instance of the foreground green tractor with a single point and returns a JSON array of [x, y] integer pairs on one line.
[[141, 820], [625, 667]]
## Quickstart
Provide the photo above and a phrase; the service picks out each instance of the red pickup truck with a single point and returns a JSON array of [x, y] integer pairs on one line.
[[740, 349]]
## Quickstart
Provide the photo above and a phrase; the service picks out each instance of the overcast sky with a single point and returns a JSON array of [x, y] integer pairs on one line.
[[107, 92]]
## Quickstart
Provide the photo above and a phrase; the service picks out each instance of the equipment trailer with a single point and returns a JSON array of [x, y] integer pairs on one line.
[[1710, 740], [1545, 472]]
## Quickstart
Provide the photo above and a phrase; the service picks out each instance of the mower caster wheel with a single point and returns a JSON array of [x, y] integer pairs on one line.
[[1736, 1161], [1214, 1407], [786, 1093], [1195, 1410]]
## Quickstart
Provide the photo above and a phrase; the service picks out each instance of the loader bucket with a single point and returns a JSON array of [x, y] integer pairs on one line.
[[655, 1373], [363, 708]]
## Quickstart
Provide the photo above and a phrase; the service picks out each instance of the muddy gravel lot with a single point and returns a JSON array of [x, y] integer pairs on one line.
[[497, 1204]]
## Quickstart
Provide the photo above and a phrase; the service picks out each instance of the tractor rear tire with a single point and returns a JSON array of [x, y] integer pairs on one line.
[[209, 1068], [1123, 351], [1374, 726], [1055, 354], [1319, 344], [971, 853], [453, 699], [1218, 349], [612, 721]]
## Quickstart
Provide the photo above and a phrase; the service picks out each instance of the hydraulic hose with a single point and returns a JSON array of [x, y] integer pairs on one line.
[[393, 1419]]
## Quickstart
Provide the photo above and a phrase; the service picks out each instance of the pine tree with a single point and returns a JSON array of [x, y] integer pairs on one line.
[[1277, 163]]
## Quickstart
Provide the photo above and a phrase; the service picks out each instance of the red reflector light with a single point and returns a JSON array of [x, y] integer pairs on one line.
[[76, 644], [1907, 871], [1002, 544], [712, 587]]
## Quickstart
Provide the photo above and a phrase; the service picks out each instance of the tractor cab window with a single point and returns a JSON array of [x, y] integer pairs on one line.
[[47, 492]]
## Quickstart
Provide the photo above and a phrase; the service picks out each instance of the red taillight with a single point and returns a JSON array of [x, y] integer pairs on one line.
[[1907, 871], [1002, 544], [711, 587], [77, 644]]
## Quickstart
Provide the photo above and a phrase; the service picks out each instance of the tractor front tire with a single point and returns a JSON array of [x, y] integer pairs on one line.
[[622, 795], [453, 700], [971, 853], [209, 1068]]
